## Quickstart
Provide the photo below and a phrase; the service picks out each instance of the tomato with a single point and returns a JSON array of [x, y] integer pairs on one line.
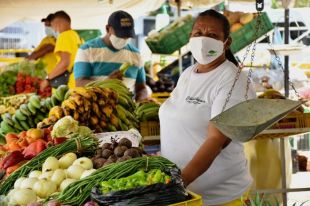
[[11, 169]]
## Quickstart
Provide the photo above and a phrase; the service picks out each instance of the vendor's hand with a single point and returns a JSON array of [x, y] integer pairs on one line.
[[116, 75], [184, 178], [45, 83], [148, 100]]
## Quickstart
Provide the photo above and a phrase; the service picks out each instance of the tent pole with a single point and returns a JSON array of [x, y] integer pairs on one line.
[[179, 2], [287, 90]]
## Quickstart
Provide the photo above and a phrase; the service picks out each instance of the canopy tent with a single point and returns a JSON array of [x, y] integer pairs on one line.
[[85, 14]]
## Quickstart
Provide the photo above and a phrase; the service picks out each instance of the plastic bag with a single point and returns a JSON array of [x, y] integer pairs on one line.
[[151, 195]]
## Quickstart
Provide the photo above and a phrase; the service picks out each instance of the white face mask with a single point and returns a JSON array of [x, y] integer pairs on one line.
[[205, 49], [118, 43], [56, 34], [49, 31]]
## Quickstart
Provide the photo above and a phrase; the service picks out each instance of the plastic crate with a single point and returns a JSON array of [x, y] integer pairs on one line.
[[247, 34], [169, 42], [195, 201], [87, 34], [293, 120], [161, 96], [149, 128]]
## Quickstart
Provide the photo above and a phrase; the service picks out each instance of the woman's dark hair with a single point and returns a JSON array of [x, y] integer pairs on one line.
[[226, 26]]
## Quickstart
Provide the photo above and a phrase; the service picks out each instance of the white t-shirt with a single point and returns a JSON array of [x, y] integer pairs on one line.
[[184, 119]]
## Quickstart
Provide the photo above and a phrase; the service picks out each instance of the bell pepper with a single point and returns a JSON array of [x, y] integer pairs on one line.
[[12, 159], [34, 149], [59, 140], [12, 169]]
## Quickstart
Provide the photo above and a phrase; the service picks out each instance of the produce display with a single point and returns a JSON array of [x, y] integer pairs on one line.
[[138, 179], [163, 84], [102, 106], [115, 152], [238, 19], [147, 111], [30, 84], [85, 144], [30, 114], [79, 192], [23, 77], [11, 103], [55, 176], [157, 36]]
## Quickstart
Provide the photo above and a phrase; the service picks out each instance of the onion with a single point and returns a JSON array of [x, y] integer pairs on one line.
[[24, 196], [35, 173], [67, 160], [46, 175], [65, 183], [44, 188], [50, 164], [75, 171], [87, 173], [28, 183], [58, 176], [18, 182]]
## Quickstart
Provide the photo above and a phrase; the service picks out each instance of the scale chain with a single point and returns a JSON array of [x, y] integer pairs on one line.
[[240, 67]]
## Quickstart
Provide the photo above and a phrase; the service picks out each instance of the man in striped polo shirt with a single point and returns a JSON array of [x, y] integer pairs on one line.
[[102, 57]]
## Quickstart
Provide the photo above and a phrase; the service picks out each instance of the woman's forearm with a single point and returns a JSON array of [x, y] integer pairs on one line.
[[204, 157]]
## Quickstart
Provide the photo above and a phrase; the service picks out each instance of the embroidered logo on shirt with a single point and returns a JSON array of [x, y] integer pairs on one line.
[[194, 100]]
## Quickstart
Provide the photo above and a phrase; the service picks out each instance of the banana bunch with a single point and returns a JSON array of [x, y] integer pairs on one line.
[[100, 108], [11, 103], [28, 115], [147, 111], [125, 96]]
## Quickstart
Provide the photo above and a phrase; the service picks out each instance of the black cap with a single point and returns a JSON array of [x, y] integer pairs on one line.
[[48, 18], [122, 23]]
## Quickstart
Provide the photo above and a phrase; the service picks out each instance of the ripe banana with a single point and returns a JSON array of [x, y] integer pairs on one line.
[[95, 108], [107, 110], [70, 104], [114, 121], [57, 111], [76, 115], [77, 98], [82, 91], [94, 120]]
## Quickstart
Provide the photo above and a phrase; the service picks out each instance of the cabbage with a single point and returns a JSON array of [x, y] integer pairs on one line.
[[84, 131], [65, 126]]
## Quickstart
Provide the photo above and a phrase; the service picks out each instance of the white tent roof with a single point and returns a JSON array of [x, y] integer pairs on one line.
[[85, 14]]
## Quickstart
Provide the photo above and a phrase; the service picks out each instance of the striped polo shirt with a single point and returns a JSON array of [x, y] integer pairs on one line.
[[96, 59]]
